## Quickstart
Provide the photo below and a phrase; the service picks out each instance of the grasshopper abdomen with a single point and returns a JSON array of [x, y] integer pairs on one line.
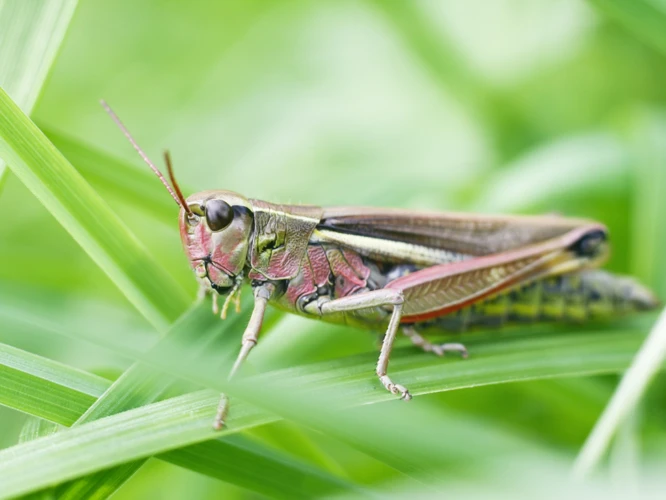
[[571, 298]]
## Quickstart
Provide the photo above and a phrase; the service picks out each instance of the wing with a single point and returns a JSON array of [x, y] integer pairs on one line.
[[438, 237], [442, 289]]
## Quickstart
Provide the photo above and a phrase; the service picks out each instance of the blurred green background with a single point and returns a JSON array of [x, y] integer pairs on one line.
[[490, 106]]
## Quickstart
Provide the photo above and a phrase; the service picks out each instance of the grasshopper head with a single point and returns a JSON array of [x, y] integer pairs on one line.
[[215, 226], [215, 229]]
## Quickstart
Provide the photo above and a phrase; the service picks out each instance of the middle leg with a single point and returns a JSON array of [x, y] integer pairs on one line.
[[439, 349], [376, 298]]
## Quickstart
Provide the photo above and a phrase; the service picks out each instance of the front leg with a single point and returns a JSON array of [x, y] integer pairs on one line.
[[262, 294], [376, 298]]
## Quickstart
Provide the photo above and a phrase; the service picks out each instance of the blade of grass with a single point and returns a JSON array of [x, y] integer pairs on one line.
[[650, 235], [437, 55], [148, 430], [238, 462], [644, 20], [497, 357], [45, 388], [87, 218], [125, 395], [147, 426], [566, 166], [274, 476], [649, 151], [30, 35], [133, 185], [645, 365], [495, 360], [140, 385], [35, 427]]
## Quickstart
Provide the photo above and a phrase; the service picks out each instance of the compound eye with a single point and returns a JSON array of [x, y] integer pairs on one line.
[[218, 214], [590, 244]]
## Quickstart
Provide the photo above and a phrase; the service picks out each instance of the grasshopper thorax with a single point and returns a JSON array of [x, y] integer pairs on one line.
[[216, 228]]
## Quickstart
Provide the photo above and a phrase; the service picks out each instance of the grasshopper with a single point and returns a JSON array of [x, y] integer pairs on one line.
[[395, 270]]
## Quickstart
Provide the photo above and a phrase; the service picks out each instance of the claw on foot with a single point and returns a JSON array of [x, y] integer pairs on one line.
[[221, 415], [397, 389]]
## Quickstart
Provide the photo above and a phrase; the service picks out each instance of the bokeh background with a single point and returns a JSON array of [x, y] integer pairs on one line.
[[490, 106]]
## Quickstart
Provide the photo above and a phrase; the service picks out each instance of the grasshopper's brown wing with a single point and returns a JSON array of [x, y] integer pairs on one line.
[[460, 233], [444, 288], [464, 257]]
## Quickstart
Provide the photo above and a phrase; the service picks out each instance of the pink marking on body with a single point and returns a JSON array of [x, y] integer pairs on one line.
[[229, 250], [219, 277], [279, 265], [319, 264], [347, 279], [256, 275], [197, 243], [302, 284], [356, 262]]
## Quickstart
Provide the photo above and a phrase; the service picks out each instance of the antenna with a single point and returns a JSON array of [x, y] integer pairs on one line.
[[180, 200], [174, 183]]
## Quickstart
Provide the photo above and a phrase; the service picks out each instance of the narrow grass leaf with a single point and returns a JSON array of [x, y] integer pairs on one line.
[[87, 217], [643, 19], [649, 230], [36, 427], [136, 186], [45, 388], [111, 441], [645, 365], [437, 54], [141, 385], [49, 383], [274, 476], [30, 36], [577, 164], [346, 382]]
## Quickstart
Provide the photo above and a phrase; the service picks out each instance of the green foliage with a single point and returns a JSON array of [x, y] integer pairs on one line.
[[30, 36], [441, 105]]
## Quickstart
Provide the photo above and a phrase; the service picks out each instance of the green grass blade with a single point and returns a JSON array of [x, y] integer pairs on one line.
[[345, 382], [87, 217], [135, 186], [35, 427], [140, 385], [57, 392], [429, 46], [644, 20], [648, 262], [79, 451], [648, 226], [646, 364], [276, 477], [45, 388], [576, 164], [30, 36]]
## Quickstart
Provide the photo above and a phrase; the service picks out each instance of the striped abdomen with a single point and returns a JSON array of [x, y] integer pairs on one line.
[[573, 298]]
